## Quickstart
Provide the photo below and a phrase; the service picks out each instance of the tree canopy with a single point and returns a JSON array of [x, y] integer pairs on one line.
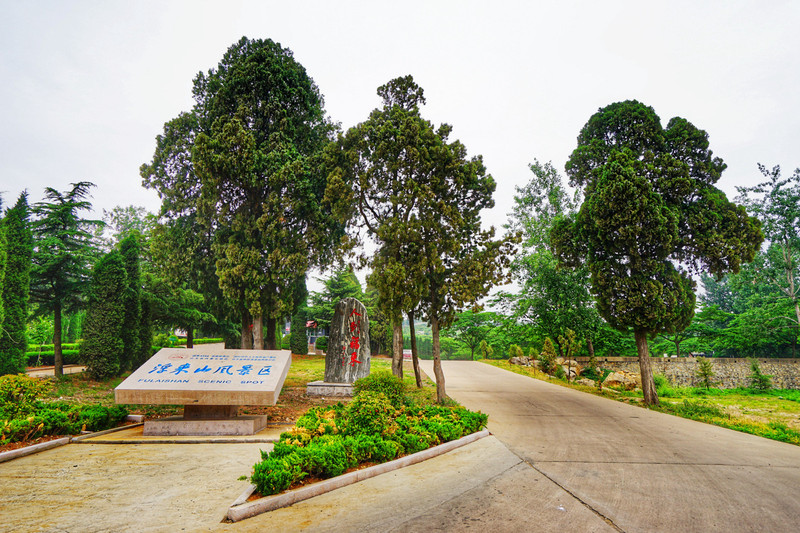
[[551, 298], [242, 170], [15, 287], [64, 248], [651, 216]]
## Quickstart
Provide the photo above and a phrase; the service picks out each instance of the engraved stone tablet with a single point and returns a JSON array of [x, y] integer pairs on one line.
[[348, 356], [211, 383]]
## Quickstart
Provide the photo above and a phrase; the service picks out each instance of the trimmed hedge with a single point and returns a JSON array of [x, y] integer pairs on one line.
[[71, 357]]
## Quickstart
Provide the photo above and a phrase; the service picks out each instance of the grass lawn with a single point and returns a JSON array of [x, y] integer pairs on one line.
[[773, 414]]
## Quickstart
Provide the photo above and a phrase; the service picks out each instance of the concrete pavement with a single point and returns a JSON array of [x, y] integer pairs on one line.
[[559, 460], [638, 469]]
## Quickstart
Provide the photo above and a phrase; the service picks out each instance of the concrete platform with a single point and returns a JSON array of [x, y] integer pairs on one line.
[[135, 435], [180, 426], [323, 388]]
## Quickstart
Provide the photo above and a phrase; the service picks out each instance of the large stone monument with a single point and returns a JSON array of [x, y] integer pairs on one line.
[[348, 355], [211, 383]]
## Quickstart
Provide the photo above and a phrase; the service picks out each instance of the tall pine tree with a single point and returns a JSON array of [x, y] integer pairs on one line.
[[16, 287], [63, 250]]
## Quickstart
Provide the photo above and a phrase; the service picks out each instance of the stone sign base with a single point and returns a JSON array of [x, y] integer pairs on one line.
[[322, 388], [179, 426]]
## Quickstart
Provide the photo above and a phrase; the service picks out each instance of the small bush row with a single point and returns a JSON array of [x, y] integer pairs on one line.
[[23, 416], [378, 425], [71, 357]]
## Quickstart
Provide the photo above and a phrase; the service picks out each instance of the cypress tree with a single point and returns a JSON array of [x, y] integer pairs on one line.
[[16, 287], [102, 347], [298, 342], [131, 324]]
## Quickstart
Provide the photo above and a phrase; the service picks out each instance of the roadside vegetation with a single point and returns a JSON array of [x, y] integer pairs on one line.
[[381, 423]]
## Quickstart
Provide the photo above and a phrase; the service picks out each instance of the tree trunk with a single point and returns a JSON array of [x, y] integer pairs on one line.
[[58, 355], [271, 340], [437, 361], [189, 337], [677, 346], [590, 347], [397, 347], [648, 385], [247, 332], [258, 332], [414, 357]]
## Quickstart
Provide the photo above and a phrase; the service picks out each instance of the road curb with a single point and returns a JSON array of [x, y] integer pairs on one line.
[[241, 508], [55, 443], [28, 450]]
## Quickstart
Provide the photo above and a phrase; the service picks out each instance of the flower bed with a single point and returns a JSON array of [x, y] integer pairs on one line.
[[378, 425]]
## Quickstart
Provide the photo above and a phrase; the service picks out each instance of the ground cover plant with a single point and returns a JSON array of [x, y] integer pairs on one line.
[[382, 422], [26, 413], [772, 413]]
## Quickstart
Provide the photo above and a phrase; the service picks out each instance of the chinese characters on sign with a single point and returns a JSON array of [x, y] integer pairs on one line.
[[348, 356], [355, 336]]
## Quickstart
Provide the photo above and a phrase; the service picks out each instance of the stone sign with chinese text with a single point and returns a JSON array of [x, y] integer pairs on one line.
[[207, 376], [348, 356]]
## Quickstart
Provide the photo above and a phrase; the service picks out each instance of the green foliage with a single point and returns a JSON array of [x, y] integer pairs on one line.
[[650, 204], [705, 371], [19, 394], [420, 197], [342, 284], [321, 343], [547, 358], [383, 382], [63, 250], [132, 303], [486, 350], [102, 346], [515, 351], [472, 329], [759, 381], [60, 418], [15, 287], [239, 179], [551, 298], [285, 342], [697, 410], [326, 441], [371, 413]]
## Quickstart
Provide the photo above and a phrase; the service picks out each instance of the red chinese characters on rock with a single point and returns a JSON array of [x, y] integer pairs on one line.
[[355, 336]]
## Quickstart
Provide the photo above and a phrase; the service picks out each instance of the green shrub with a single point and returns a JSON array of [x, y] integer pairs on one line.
[[758, 381], [547, 358], [705, 371], [370, 413], [326, 441], [70, 357], [285, 342], [387, 383], [515, 351], [19, 395], [321, 343], [271, 476], [663, 387], [298, 342]]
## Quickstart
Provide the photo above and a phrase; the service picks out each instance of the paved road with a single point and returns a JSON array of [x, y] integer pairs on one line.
[[559, 460], [638, 470]]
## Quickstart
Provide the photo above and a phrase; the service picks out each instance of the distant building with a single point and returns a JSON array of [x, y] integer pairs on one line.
[[313, 332]]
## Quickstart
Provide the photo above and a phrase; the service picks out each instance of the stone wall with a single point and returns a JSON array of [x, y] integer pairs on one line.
[[728, 373]]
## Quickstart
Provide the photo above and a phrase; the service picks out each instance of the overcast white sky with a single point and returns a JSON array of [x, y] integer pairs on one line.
[[86, 86]]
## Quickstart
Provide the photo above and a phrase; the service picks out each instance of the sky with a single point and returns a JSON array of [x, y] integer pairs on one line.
[[86, 86]]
